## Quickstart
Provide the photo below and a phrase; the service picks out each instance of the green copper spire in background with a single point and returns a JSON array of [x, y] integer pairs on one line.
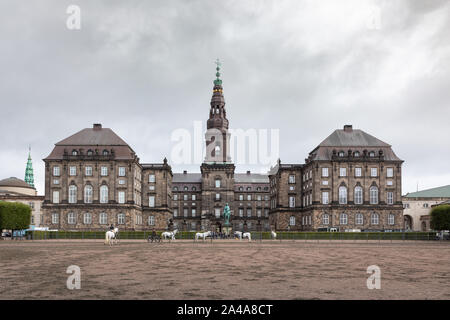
[[29, 176], [218, 81]]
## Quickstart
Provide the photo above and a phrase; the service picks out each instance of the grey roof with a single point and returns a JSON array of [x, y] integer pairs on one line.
[[439, 192], [187, 178], [93, 137], [352, 138], [251, 178], [14, 182]]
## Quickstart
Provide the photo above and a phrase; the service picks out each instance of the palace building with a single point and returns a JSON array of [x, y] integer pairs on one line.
[[93, 179]]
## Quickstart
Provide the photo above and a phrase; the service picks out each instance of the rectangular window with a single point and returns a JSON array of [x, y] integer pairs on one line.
[[266, 213], [151, 220], [185, 197], [291, 179], [151, 178], [249, 197], [391, 219], [342, 172], [389, 172], [121, 197], [241, 197], [121, 171], [249, 212], [390, 198], [194, 197], [55, 181], [55, 218], [217, 212], [185, 212], [324, 172], [325, 199], [241, 212], [72, 171], [55, 196], [373, 172], [88, 171], [217, 183], [103, 171], [122, 181], [324, 182], [175, 212], [358, 172], [56, 171], [193, 212], [175, 197], [151, 201], [258, 213], [389, 183], [217, 196], [291, 202], [151, 188]]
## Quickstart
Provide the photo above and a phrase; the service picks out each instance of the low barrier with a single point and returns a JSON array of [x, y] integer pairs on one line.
[[281, 236]]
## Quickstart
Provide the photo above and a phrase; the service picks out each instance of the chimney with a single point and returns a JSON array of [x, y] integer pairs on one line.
[[97, 126], [248, 172], [185, 172], [348, 128]]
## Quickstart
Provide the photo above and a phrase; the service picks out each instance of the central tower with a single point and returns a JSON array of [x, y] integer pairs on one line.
[[217, 170], [217, 136]]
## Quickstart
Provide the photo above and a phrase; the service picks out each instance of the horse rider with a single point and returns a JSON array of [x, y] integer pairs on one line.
[[111, 227]]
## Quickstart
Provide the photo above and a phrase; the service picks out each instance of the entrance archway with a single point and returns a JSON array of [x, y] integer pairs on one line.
[[408, 222]]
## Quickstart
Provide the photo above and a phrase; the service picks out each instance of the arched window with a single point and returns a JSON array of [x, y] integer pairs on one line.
[[104, 194], [341, 154], [88, 194], [175, 188], [71, 218], [325, 219], [90, 153], [72, 194], [292, 221], [359, 218], [358, 195], [74, 152], [87, 218], [342, 195], [371, 154], [103, 218], [217, 151], [105, 152], [375, 218], [249, 188], [356, 154], [194, 188], [373, 195], [241, 189], [258, 189], [121, 218], [343, 218]]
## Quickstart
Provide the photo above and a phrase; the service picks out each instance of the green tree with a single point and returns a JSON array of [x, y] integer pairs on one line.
[[14, 216], [440, 217]]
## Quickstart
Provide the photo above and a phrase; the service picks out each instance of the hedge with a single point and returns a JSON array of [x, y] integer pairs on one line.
[[190, 235]]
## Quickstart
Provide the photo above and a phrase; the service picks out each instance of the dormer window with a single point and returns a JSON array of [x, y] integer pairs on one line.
[[90, 153], [356, 154], [105, 152], [341, 154], [371, 154], [74, 152]]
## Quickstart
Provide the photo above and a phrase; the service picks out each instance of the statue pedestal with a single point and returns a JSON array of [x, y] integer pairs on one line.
[[227, 229]]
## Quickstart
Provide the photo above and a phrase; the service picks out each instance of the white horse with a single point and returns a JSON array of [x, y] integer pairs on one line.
[[111, 236], [202, 235], [168, 234], [247, 235], [274, 235]]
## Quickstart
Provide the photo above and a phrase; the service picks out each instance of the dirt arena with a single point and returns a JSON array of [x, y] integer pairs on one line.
[[226, 269]]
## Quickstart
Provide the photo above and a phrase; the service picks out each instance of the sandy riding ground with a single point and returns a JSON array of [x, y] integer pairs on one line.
[[227, 269]]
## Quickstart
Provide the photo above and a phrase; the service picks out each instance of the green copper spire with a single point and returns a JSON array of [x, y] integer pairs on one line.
[[218, 81], [29, 176]]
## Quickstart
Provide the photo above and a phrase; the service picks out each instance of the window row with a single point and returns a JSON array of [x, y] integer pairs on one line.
[[358, 172], [359, 219], [103, 218], [88, 195], [358, 196], [87, 171]]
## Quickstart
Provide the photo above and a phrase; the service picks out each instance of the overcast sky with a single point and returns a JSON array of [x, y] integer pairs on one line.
[[145, 69]]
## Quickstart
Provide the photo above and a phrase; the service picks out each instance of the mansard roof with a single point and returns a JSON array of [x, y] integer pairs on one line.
[[187, 178], [95, 138], [251, 178], [351, 139]]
